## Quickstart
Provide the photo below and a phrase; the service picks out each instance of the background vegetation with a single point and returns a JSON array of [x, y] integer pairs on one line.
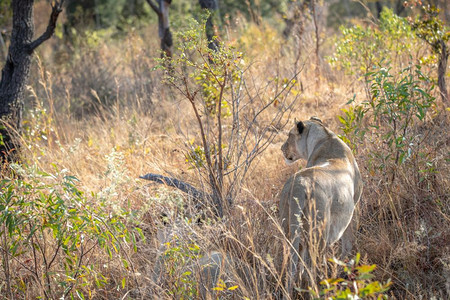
[[102, 109]]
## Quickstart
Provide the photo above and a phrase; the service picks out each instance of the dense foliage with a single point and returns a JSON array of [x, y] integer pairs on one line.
[[102, 108]]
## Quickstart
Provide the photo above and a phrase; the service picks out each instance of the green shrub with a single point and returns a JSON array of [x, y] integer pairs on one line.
[[177, 256], [234, 118], [50, 231], [358, 283], [431, 28], [397, 103], [362, 47]]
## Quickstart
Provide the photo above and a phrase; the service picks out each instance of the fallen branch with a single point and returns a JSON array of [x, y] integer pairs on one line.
[[201, 198], [182, 186]]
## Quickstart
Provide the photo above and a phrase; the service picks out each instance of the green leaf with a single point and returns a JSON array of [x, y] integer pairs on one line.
[[79, 294]]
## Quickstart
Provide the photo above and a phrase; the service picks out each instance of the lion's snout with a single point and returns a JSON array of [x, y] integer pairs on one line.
[[289, 159], [283, 147]]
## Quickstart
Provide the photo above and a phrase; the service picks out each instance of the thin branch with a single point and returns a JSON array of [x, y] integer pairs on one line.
[[215, 186], [82, 254], [6, 263], [154, 7], [219, 125], [3, 48], [217, 197], [56, 10], [191, 98], [54, 256], [34, 273]]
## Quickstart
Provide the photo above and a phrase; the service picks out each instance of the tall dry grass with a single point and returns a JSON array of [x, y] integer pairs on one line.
[[102, 114]]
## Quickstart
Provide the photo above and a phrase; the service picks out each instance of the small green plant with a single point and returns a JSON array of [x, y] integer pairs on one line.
[[358, 283], [49, 231], [221, 289], [177, 257]]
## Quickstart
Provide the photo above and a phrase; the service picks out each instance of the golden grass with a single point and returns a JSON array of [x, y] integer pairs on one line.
[[403, 228]]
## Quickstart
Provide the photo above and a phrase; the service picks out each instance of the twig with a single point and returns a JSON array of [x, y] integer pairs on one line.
[[56, 10], [215, 186], [219, 125], [6, 264], [3, 47], [154, 7]]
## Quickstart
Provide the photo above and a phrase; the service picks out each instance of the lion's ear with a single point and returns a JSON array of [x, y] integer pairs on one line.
[[300, 127]]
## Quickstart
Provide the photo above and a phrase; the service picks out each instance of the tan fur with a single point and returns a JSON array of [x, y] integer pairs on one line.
[[317, 203]]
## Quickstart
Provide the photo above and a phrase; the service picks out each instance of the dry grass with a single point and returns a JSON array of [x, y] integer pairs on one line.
[[123, 123]]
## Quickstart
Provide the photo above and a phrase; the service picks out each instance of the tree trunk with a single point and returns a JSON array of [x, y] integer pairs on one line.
[[379, 8], [294, 19], [16, 71], [164, 27], [442, 67], [399, 7], [317, 48], [211, 6], [162, 10]]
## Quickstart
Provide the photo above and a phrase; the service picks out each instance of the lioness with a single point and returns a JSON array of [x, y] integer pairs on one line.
[[317, 203]]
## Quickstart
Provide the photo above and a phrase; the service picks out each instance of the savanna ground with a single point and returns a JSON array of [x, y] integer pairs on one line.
[[78, 222]]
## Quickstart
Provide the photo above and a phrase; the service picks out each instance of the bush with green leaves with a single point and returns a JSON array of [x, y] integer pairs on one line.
[[357, 283], [59, 238], [236, 119], [361, 47], [397, 103], [179, 254], [431, 28]]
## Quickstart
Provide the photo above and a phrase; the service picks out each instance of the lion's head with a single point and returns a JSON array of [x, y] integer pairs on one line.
[[300, 139]]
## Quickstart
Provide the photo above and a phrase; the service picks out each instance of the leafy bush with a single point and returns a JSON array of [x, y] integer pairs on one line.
[[395, 133], [177, 256], [431, 28], [50, 231], [214, 82], [357, 284], [397, 103], [360, 48]]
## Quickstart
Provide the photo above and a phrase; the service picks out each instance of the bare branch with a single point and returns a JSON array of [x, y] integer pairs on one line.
[[56, 10], [154, 7], [442, 66], [215, 186], [219, 126]]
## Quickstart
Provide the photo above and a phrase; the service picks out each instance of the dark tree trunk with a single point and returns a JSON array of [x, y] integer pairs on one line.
[[399, 7], [16, 71], [317, 35], [211, 6], [442, 67], [162, 10], [295, 18], [379, 8]]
